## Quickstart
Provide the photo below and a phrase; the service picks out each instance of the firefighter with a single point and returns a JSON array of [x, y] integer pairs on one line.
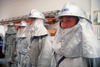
[[9, 44], [21, 49], [40, 51], [75, 43]]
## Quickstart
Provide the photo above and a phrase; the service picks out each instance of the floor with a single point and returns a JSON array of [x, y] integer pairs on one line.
[[3, 63]]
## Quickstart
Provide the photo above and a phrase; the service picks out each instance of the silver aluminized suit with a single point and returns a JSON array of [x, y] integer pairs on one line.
[[10, 44], [22, 48], [77, 44], [40, 52]]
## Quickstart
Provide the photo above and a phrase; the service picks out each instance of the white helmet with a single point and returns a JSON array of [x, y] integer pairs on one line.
[[71, 9], [11, 24], [23, 23], [36, 14]]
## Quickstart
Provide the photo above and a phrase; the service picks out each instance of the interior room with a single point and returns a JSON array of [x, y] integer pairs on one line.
[[17, 11]]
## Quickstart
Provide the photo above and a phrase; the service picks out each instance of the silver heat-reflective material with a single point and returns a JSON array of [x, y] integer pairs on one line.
[[40, 45], [37, 28], [77, 41]]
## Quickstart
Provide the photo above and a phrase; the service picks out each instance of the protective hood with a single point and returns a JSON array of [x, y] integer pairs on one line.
[[77, 41], [37, 28], [11, 30], [22, 33]]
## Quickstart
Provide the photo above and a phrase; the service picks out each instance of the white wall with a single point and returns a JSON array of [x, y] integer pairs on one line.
[[3, 29], [14, 8], [95, 5]]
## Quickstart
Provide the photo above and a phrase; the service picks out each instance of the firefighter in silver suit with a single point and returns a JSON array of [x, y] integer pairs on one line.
[[75, 44], [9, 44], [40, 51]]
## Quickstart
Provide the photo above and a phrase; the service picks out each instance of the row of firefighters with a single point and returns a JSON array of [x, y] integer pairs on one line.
[[74, 45]]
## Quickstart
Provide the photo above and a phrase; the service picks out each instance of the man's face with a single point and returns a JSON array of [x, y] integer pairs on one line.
[[22, 27], [68, 22], [31, 20], [10, 26]]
